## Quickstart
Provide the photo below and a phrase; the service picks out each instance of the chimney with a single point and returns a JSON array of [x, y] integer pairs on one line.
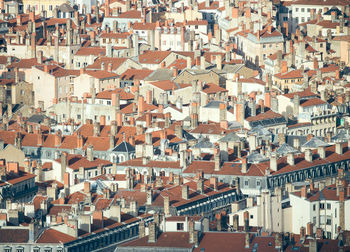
[[87, 187], [333, 16], [202, 62], [290, 159], [142, 229], [97, 217], [303, 192], [152, 236], [90, 153], [244, 168], [217, 161], [308, 155], [102, 120], [321, 151], [149, 197], [185, 192], [200, 186], [339, 148], [247, 241], [64, 162], [96, 129], [218, 62], [246, 221], [310, 229], [273, 162]]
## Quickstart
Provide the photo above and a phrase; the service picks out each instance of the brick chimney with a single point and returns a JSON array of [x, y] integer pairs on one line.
[[97, 217], [310, 229], [303, 192], [246, 221]]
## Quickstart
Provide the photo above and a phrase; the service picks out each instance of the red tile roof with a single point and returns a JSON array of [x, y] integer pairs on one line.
[[263, 116], [54, 236], [135, 74], [153, 57]]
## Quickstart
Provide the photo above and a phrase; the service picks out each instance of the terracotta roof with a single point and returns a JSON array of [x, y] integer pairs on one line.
[[312, 102], [263, 116], [290, 75], [133, 14], [212, 6], [24, 63], [302, 94], [169, 85], [14, 235], [54, 236], [135, 74], [144, 26], [58, 71], [76, 161], [86, 51], [253, 80], [116, 62], [113, 35], [211, 88], [101, 74], [107, 94], [153, 57], [56, 209], [166, 240]]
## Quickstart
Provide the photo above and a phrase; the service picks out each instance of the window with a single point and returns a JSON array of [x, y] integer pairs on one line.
[[180, 226], [321, 45], [296, 9], [36, 249], [285, 18], [258, 183], [329, 221], [302, 9], [308, 9], [321, 205], [314, 220], [302, 19], [251, 216], [335, 213], [7, 250], [78, 116], [246, 183], [329, 235], [109, 102], [19, 249], [314, 207], [328, 206]]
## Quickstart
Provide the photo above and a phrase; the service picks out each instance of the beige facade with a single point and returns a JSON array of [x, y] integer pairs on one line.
[[207, 76], [12, 154], [47, 5]]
